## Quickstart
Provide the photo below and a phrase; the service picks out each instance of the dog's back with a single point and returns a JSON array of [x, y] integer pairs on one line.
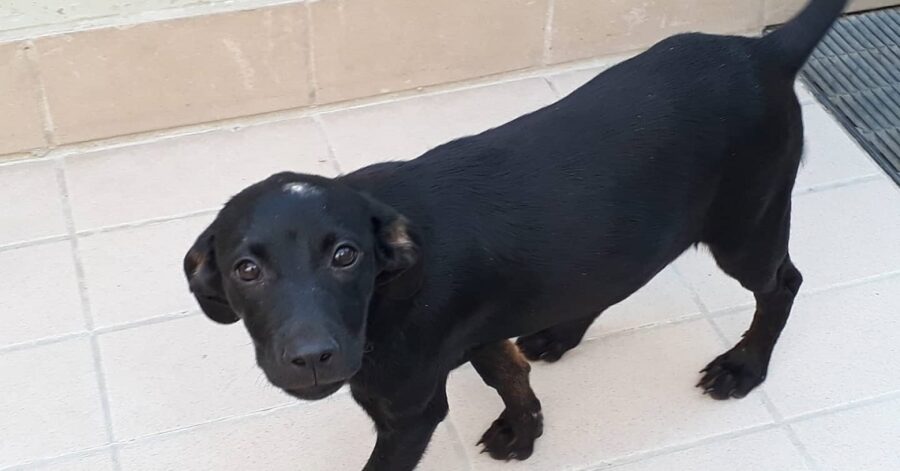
[[686, 143]]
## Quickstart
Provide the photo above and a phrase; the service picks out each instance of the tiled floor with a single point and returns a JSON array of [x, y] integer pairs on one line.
[[106, 363]]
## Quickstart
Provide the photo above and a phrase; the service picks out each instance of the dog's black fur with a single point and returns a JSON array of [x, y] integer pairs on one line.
[[390, 277]]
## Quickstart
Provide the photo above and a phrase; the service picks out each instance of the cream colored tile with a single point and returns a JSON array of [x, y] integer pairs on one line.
[[181, 373], [613, 397], [43, 299], [189, 173], [379, 46], [769, 450], [664, 299], [333, 434], [49, 402], [835, 349], [21, 122], [155, 75], [586, 28], [846, 233], [404, 129], [864, 438], [97, 461], [37, 211], [136, 273], [832, 156]]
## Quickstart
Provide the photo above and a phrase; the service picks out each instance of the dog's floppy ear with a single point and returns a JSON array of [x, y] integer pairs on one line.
[[397, 242], [205, 280]]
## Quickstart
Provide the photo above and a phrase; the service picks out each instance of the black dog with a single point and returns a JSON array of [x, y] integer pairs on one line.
[[390, 277]]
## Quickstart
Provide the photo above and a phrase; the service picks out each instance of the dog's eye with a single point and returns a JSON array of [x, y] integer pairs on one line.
[[247, 271], [344, 256]]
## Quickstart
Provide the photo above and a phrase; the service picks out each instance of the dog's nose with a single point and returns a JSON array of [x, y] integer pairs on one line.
[[312, 356]]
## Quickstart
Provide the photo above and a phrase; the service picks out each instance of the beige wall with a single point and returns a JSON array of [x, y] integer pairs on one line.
[[100, 82]]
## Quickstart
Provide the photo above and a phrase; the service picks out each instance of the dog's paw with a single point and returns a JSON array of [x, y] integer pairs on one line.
[[512, 436], [543, 346], [733, 374]]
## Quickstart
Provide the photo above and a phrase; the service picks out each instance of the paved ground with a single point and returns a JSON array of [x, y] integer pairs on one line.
[[107, 364]]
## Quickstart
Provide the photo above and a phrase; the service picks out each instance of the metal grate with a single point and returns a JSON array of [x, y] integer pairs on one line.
[[855, 73]]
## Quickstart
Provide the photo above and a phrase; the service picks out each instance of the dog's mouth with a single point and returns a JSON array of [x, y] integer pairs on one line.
[[314, 393]]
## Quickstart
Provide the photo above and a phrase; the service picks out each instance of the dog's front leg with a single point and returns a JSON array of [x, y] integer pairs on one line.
[[403, 432]]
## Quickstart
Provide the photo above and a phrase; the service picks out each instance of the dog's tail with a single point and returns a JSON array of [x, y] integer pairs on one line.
[[795, 41]]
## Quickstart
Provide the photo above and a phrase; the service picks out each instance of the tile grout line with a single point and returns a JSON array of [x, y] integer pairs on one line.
[[33, 242], [147, 222], [800, 447], [310, 55], [852, 181], [86, 311], [640, 456], [110, 228], [153, 320], [552, 87], [332, 155], [46, 116], [686, 284], [458, 444], [15, 347], [548, 32], [157, 319]]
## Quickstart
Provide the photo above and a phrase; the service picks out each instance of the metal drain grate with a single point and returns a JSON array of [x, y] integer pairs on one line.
[[855, 73]]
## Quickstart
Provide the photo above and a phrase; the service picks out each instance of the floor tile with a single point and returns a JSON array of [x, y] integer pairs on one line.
[[832, 156], [864, 438], [837, 236], [611, 398], [329, 435], [93, 461], [768, 450], [846, 233], [37, 211], [49, 402], [189, 173], [136, 273], [664, 299], [404, 129], [567, 82], [836, 348], [182, 372], [43, 300]]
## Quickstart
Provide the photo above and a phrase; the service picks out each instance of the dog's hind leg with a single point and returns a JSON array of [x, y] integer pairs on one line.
[[760, 261], [550, 344], [512, 435]]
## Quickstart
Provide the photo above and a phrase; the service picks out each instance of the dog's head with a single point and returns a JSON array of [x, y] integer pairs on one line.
[[298, 258]]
